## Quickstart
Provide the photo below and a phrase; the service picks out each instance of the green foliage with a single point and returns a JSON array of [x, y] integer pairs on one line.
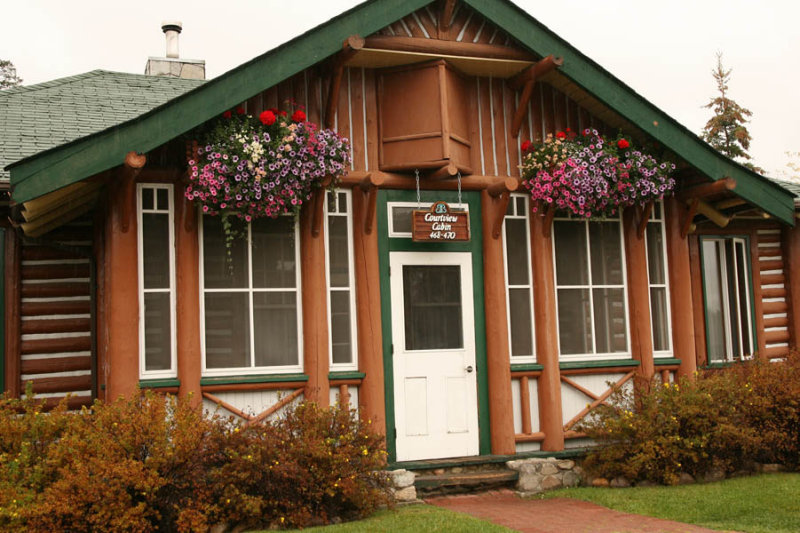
[[723, 419], [726, 130], [155, 463], [8, 75]]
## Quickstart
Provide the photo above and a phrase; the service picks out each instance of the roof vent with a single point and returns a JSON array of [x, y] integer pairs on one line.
[[172, 65]]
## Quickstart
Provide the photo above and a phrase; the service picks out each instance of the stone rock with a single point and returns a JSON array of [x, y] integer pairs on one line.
[[571, 479], [438, 471], [408, 494], [566, 464], [600, 482], [548, 469], [771, 468], [551, 482], [685, 479], [218, 528], [456, 470], [529, 483], [715, 474], [620, 483], [402, 478]]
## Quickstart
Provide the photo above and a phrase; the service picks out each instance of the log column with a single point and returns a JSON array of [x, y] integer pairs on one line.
[[371, 396], [544, 308], [680, 288], [791, 260], [187, 286], [13, 325], [314, 301], [497, 350], [638, 295], [122, 277]]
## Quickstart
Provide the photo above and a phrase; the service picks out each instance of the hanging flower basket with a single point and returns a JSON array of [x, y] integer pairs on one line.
[[247, 168], [589, 177]]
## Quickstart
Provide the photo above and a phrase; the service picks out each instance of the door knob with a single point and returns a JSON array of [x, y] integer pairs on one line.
[[469, 369]]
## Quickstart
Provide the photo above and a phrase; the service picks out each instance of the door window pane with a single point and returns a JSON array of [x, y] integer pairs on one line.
[[432, 307]]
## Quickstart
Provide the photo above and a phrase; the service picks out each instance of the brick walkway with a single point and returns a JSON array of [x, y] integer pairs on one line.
[[558, 515]]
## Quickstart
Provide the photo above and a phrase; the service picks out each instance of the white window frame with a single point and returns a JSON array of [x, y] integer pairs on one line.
[[729, 356], [594, 355], [660, 221], [251, 370], [172, 372], [348, 215], [421, 205], [525, 215]]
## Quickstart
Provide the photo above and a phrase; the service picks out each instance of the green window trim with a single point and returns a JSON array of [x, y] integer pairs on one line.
[[346, 375], [664, 361], [623, 363], [159, 383], [526, 367], [261, 378]]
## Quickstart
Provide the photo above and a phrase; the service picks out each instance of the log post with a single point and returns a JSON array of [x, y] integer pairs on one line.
[[13, 324], [371, 397], [638, 295], [315, 310], [791, 260], [187, 286], [680, 288], [544, 312], [497, 350]]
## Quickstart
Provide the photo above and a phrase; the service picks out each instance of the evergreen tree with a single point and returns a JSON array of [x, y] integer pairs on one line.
[[8, 75], [726, 130]]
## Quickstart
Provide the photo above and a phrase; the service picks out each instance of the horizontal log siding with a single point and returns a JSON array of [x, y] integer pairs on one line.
[[774, 333]]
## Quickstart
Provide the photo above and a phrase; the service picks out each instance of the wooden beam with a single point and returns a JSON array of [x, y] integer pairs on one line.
[[712, 214], [350, 47], [547, 220], [600, 399], [525, 404], [445, 14], [369, 186], [648, 209], [446, 172], [499, 213], [708, 189], [130, 169], [439, 47], [283, 402], [502, 186], [535, 71], [688, 217], [728, 203]]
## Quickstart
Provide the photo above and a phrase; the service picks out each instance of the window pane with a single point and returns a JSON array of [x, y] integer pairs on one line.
[[155, 250], [401, 219], [338, 252], [655, 254], [570, 244], [574, 321], [274, 255], [147, 198], [520, 201], [731, 287], [157, 334], [275, 325], [744, 307], [342, 351], [163, 199], [519, 302], [227, 330], [609, 320], [218, 272], [517, 254], [432, 307], [715, 320], [658, 309], [606, 253], [331, 202]]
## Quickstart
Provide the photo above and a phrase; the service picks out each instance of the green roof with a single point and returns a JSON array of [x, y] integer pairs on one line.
[[63, 165], [38, 117]]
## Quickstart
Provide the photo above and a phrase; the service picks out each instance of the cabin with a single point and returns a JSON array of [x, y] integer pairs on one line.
[[426, 286]]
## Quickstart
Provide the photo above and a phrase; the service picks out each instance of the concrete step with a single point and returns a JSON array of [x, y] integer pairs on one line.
[[449, 482]]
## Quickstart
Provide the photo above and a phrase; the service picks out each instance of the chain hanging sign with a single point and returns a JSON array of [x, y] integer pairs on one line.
[[440, 224]]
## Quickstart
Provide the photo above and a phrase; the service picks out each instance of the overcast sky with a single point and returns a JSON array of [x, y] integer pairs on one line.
[[664, 50]]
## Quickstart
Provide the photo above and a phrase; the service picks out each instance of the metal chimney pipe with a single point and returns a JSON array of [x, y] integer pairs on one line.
[[172, 30]]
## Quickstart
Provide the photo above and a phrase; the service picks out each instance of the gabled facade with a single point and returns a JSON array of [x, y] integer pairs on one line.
[[498, 344]]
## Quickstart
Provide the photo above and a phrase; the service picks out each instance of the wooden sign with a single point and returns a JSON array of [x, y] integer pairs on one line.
[[440, 224]]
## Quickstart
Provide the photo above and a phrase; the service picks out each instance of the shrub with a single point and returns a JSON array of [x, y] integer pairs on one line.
[[723, 419]]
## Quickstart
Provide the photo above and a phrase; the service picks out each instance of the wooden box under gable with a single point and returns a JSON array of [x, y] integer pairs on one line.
[[424, 117]]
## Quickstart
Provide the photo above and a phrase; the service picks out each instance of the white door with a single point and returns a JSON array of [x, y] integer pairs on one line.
[[433, 331]]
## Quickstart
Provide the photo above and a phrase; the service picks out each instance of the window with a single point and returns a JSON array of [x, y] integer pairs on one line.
[[590, 289], [726, 287], [519, 301], [341, 293], [251, 298], [157, 352], [657, 276]]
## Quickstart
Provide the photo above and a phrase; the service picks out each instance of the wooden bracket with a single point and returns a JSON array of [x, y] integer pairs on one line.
[[712, 214], [548, 220], [446, 13], [445, 172], [350, 47], [500, 191], [645, 217], [708, 189], [369, 187], [318, 199], [130, 169], [690, 213], [527, 79]]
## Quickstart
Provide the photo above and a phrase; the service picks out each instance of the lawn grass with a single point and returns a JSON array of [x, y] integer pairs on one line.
[[414, 519], [764, 503]]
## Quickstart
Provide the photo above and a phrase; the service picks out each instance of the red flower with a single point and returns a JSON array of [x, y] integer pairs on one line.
[[283, 113], [622, 144], [226, 114], [299, 116], [561, 135], [240, 110], [267, 117], [525, 146]]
